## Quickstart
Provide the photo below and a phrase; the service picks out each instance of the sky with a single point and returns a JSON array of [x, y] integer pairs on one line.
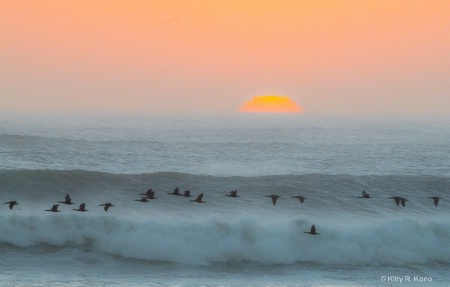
[[348, 57]]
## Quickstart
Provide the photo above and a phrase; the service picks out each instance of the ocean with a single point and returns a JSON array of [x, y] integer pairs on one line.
[[225, 241]]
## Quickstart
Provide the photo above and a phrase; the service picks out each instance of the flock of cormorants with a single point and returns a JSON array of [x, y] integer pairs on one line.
[[150, 194]]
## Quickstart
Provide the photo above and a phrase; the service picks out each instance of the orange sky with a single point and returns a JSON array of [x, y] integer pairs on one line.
[[330, 57]]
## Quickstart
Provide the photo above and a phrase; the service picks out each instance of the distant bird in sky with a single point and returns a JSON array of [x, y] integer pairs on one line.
[[301, 198], [274, 198], [82, 208], [436, 200], [54, 208], [106, 206], [313, 230], [233, 193], [199, 198], [187, 193], [11, 204], [173, 20], [364, 195], [67, 200]]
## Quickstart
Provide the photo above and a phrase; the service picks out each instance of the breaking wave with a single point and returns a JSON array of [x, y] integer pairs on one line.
[[245, 239]]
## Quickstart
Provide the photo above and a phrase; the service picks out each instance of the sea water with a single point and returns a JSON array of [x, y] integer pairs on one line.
[[243, 241]]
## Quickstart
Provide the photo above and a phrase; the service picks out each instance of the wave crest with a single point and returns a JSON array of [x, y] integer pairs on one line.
[[214, 240]]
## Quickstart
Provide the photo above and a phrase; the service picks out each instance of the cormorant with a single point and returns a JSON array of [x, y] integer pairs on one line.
[[301, 198], [364, 195], [176, 191], [435, 199], [233, 193], [399, 200], [274, 198], [313, 230], [150, 194], [67, 200], [54, 208], [81, 208], [199, 198], [106, 205], [11, 204]]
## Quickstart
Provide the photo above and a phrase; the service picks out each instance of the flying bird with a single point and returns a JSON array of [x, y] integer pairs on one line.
[[149, 193], [274, 198], [81, 208], [187, 193], [199, 198], [176, 191], [54, 208], [301, 198], [434, 198], [11, 204], [313, 230], [176, 19], [364, 195], [399, 200], [233, 193], [67, 200], [143, 199], [106, 205]]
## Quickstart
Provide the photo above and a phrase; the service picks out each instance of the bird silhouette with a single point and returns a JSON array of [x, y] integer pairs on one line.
[[233, 193], [82, 208], [364, 195], [198, 199], [274, 198], [313, 230], [301, 198], [54, 208], [11, 204], [176, 191], [67, 200], [150, 193], [106, 206], [399, 200], [436, 200]]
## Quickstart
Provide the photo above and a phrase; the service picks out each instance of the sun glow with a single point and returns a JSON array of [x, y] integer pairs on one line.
[[271, 104]]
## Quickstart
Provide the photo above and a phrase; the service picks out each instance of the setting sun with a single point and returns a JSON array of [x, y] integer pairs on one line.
[[271, 104]]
